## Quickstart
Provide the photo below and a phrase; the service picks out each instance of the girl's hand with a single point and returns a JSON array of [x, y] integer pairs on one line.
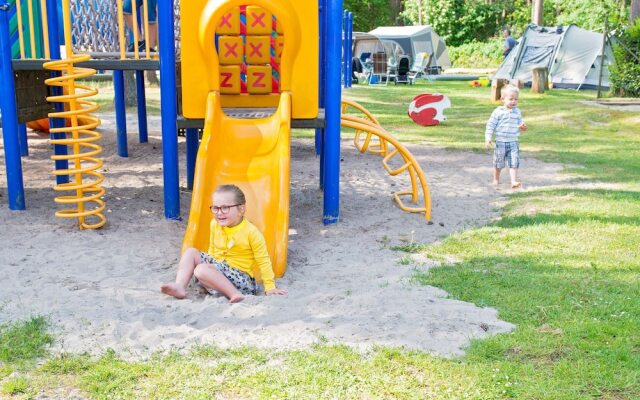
[[487, 144], [523, 127], [276, 291]]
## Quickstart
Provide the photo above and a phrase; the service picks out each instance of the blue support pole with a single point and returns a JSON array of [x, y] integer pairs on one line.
[[193, 143], [10, 134], [345, 52], [142, 107], [121, 113], [22, 136], [331, 209], [54, 51], [169, 110], [350, 49], [322, 30]]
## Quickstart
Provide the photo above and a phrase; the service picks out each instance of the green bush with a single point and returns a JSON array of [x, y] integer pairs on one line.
[[625, 73], [477, 54]]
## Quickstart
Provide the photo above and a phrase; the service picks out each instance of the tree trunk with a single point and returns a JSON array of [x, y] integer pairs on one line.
[[152, 78], [635, 11], [396, 8], [419, 12], [496, 88], [129, 89], [539, 80], [537, 12]]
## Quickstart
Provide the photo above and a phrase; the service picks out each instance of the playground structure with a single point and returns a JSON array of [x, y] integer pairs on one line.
[[251, 72]]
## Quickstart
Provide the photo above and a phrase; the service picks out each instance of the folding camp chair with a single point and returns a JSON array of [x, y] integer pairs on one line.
[[402, 70], [420, 66]]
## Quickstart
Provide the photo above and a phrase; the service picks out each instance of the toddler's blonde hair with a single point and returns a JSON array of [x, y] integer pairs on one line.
[[509, 89]]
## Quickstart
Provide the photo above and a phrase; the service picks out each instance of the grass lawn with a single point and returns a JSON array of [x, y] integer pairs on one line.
[[562, 264]]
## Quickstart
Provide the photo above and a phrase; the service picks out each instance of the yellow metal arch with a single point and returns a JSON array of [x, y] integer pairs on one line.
[[373, 130]]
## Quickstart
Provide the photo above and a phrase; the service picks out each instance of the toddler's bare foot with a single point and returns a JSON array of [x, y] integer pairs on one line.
[[236, 298], [516, 185], [173, 289]]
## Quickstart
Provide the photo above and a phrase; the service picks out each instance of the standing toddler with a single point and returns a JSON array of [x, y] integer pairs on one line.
[[506, 123]]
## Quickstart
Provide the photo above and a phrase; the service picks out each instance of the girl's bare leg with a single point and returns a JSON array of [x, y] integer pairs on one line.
[[211, 278], [190, 259]]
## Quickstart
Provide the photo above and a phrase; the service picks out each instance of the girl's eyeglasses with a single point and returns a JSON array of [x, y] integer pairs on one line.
[[222, 209]]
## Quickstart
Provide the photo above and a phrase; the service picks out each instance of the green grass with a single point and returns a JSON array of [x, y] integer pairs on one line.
[[562, 264], [21, 343]]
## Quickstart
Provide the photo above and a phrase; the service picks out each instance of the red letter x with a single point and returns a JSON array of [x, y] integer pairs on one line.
[[258, 19], [225, 20], [255, 49], [259, 77], [226, 77], [231, 49]]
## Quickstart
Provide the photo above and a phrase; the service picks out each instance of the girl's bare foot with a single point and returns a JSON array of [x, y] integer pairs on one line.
[[236, 298], [173, 289], [516, 185], [495, 183]]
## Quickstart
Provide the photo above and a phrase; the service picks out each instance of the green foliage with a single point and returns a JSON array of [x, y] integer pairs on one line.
[[456, 21], [477, 54], [625, 73], [465, 21], [25, 341], [15, 386], [588, 14], [369, 14]]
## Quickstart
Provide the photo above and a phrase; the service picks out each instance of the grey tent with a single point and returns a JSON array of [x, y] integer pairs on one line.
[[572, 56], [416, 39]]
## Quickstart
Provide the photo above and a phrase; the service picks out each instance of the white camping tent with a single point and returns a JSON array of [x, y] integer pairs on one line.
[[416, 39], [571, 55]]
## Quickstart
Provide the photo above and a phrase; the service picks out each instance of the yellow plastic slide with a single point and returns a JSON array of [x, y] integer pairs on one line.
[[254, 155]]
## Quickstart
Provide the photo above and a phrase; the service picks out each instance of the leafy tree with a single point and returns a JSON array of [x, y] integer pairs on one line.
[[369, 14], [625, 73]]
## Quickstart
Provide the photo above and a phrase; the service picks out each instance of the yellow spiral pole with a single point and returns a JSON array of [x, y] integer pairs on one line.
[[80, 136]]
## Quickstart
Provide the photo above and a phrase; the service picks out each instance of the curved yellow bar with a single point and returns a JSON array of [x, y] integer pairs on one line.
[[250, 153], [372, 127]]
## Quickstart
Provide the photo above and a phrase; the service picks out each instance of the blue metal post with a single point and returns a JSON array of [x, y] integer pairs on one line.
[[10, 134], [142, 107], [331, 148], [169, 110], [345, 43], [350, 49], [321, 66], [22, 136], [121, 113], [54, 51], [193, 143]]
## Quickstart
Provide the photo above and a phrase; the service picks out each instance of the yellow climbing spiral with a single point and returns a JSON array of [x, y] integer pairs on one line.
[[80, 137]]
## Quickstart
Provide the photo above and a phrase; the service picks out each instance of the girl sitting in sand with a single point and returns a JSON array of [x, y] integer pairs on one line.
[[235, 247]]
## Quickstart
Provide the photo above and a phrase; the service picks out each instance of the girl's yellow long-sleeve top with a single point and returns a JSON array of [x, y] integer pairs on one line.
[[242, 247]]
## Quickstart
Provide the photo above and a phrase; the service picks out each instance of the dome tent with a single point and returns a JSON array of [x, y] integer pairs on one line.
[[572, 56]]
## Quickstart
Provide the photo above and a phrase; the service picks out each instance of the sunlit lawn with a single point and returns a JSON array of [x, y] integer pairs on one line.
[[562, 264]]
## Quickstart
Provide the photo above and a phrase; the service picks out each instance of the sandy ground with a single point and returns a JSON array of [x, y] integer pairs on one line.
[[100, 288]]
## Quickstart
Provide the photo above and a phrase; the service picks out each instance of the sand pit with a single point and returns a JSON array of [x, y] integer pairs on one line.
[[100, 288]]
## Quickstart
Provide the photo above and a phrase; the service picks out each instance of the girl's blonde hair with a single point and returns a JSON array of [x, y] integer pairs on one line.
[[509, 89], [236, 191]]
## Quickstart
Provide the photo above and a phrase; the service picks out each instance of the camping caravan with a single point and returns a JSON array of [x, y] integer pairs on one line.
[[412, 40], [365, 44], [571, 55]]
